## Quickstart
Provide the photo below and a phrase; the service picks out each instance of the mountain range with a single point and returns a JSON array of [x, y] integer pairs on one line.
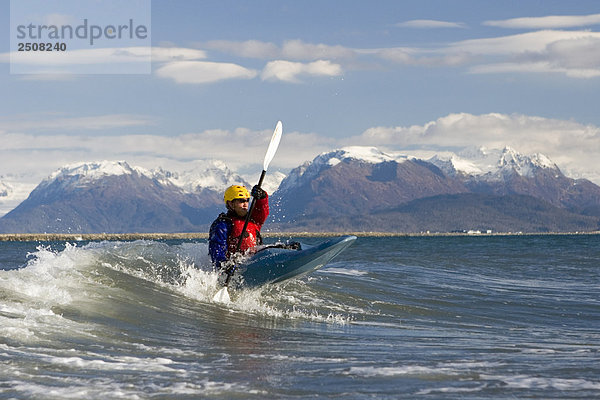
[[349, 189]]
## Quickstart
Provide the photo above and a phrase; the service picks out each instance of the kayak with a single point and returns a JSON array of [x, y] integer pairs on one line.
[[274, 264]]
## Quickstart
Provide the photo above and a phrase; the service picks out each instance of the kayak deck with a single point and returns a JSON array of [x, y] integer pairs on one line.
[[274, 265]]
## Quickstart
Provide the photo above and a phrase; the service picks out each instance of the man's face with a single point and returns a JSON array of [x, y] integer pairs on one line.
[[240, 206]]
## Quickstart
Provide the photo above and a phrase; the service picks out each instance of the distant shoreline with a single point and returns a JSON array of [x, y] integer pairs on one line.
[[75, 237]]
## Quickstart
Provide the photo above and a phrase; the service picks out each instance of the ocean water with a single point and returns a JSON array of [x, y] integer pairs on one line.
[[390, 318]]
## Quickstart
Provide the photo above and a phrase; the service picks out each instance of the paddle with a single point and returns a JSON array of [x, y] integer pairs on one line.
[[223, 294]]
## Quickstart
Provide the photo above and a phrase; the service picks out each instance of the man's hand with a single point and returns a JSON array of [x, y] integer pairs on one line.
[[258, 193]]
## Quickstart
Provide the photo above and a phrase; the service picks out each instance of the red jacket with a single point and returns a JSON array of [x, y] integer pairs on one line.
[[252, 236]]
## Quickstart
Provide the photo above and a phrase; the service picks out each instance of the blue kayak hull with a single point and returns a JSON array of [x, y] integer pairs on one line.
[[275, 265]]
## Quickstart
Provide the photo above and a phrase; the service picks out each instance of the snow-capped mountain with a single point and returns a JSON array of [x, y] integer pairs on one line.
[[353, 188], [493, 164], [358, 186], [83, 174], [213, 175], [109, 196], [505, 172], [512, 161], [358, 180], [271, 182], [311, 169], [113, 196]]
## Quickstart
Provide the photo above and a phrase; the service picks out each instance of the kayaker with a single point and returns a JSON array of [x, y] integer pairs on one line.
[[225, 231]]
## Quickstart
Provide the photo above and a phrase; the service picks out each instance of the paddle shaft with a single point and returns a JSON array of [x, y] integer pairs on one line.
[[241, 238]]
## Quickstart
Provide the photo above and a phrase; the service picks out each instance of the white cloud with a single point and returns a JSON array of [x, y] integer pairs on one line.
[[289, 71], [248, 48], [574, 54], [99, 61], [517, 44], [573, 146], [183, 65], [105, 55], [425, 58], [30, 157], [548, 22], [92, 56], [535, 67], [51, 122], [297, 50], [58, 65], [429, 24], [198, 72], [165, 54], [571, 53], [35, 155]]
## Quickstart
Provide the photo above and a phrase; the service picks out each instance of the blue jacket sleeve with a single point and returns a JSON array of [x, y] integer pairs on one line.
[[217, 242]]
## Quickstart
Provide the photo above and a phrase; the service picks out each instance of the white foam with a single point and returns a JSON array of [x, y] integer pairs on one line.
[[107, 363], [477, 388], [370, 372], [50, 278], [105, 388], [533, 382], [77, 277], [446, 369], [343, 271]]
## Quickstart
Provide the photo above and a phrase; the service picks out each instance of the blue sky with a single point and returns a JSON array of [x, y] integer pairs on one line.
[[416, 77]]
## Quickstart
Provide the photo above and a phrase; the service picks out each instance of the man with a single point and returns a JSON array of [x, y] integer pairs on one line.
[[226, 230]]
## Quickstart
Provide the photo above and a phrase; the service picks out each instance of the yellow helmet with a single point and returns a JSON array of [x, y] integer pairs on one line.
[[236, 192]]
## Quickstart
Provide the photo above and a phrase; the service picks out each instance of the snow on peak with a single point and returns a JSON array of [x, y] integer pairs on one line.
[[510, 157], [542, 161], [493, 164], [212, 174], [272, 181], [453, 164], [310, 169], [369, 154], [511, 160], [93, 169], [84, 173], [362, 153]]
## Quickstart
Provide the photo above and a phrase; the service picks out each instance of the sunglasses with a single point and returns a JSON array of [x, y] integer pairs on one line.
[[242, 200]]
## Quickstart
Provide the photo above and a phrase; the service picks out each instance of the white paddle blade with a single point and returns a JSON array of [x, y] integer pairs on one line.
[[275, 139], [222, 296]]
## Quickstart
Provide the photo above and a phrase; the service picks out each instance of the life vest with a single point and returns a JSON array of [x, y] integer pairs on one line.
[[252, 236]]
